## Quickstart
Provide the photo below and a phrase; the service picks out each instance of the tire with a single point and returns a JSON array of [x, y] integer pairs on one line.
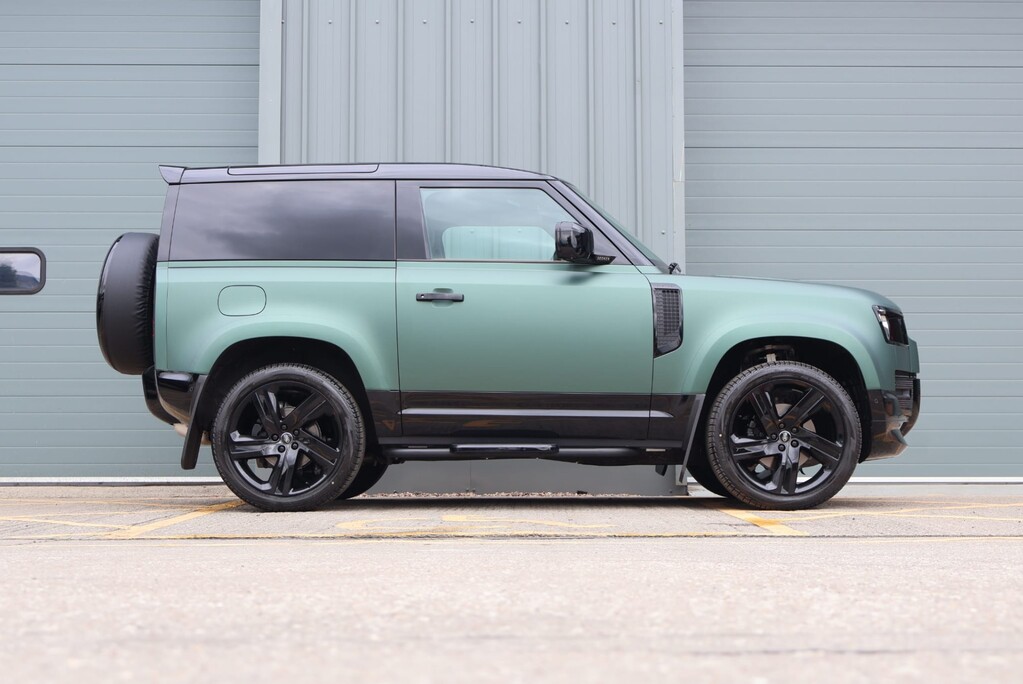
[[124, 303], [777, 422], [369, 474], [698, 467], [311, 461]]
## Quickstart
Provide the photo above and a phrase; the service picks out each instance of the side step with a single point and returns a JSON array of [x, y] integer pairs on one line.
[[507, 449], [548, 452]]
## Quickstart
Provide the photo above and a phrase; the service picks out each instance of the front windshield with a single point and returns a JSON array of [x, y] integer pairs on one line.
[[646, 251]]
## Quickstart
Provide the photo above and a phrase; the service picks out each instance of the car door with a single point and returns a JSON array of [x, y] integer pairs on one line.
[[498, 339]]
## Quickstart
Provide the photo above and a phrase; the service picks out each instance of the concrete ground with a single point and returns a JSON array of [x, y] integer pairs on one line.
[[893, 583]]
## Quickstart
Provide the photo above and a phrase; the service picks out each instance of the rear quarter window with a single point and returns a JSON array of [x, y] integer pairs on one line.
[[284, 220]]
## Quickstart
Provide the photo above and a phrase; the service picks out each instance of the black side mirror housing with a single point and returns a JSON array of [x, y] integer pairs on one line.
[[574, 244]]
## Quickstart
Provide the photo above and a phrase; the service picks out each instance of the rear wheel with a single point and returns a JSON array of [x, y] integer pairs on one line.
[[288, 438], [783, 435]]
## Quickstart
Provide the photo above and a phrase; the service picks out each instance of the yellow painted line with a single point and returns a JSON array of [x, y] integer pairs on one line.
[[481, 523], [359, 525], [956, 517], [97, 502], [136, 531], [433, 534], [899, 511], [88, 514], [930, 540], [520, 521], [59, 535], [48, 521], [773, 526]]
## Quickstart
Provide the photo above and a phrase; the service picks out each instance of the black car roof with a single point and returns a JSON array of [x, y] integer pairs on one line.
[[408, 171]]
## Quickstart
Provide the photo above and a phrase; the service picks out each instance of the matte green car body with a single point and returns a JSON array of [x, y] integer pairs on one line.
[[347, 304], [450, 355], [721, 313], [352, 305]]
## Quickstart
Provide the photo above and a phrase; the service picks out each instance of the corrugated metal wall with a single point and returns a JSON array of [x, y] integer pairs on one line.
[[580, 89], [876, 144], [93, 95]]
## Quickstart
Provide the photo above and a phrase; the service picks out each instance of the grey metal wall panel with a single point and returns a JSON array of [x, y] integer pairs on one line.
[[879, 145], [92, 97], [575, 88], [578, 88]]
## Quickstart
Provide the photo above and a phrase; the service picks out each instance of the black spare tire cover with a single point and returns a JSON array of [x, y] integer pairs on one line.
[[124, 303]]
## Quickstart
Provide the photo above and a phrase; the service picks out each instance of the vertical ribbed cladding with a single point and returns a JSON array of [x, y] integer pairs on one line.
[[667, 318]]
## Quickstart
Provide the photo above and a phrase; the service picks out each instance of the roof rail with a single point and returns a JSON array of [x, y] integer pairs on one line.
[[278, 169], [172, 174]]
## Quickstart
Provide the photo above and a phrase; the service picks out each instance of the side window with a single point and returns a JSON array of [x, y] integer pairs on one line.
[[276, 220], [22, 270], [490, 224]]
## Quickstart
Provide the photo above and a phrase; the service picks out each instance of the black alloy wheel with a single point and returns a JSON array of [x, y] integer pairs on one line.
[[288, 438], [783, 435]]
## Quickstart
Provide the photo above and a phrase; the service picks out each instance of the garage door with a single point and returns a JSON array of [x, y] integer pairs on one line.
[[93, 95], [879, 145]]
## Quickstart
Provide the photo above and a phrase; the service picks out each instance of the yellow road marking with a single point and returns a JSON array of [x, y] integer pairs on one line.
[[356, 525], [773, 526], [89, 514], [954, 517], [31, 519], [99, 502], [519, 521], [135, 531], [900, 511], [900, 540], [488, 524], [58, 535], [435, 534]]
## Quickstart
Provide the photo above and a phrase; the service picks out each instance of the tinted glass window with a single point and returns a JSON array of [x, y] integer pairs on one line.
[[486, 224], [22, 271], [329, 220]]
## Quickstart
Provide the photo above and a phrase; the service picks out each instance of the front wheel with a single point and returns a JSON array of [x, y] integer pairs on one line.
[[288, 438], [783, 435], [372, 469]]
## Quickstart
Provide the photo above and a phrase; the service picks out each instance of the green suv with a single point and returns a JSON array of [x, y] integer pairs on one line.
[[318, 324]]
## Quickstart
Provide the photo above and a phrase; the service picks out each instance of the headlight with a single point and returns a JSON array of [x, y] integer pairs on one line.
[[893, 325]]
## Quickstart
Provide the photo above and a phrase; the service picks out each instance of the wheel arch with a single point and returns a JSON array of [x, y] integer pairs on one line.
[[826, 354], [356, 344], [708, 359], [245, 356]]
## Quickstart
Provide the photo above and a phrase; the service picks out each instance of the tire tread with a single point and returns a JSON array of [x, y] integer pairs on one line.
[[325, 494], [714, 456]]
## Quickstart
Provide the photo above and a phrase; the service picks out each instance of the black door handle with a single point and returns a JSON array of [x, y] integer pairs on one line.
[[440, 297]]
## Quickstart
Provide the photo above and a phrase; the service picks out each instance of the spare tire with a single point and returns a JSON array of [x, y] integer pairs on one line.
[[124, 303]]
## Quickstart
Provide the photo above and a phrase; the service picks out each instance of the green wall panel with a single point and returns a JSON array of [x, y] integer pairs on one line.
[[878, 145], [93, 95]]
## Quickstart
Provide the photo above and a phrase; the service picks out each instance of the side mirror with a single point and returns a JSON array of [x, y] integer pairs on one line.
[[573, 243]]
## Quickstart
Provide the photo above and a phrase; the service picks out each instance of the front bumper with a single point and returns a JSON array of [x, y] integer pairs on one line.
[[892, 416]]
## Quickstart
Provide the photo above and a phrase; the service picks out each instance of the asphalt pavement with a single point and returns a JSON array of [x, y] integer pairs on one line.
[[885, 583]]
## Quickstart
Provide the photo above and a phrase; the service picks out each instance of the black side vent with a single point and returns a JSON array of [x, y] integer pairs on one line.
[[667, 319]]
